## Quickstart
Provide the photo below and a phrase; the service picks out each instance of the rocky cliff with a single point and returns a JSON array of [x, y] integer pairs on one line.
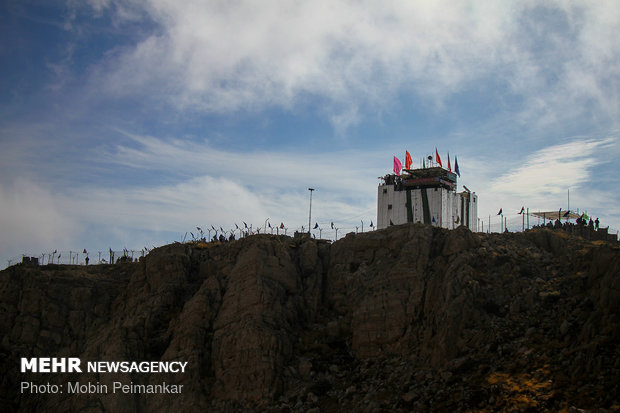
[[411, 318]]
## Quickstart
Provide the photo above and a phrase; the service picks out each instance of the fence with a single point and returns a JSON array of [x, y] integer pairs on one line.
[[79, 258]]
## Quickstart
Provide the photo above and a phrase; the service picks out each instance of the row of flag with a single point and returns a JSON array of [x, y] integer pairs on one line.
[[398, 166], [245, 226]]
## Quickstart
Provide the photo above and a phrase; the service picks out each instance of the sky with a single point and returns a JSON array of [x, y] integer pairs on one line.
[[128, 124]]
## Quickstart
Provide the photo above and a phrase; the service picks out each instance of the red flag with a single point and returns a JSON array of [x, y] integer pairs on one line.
[[398, 167], [408, 160], [449, 167], [437, 158]]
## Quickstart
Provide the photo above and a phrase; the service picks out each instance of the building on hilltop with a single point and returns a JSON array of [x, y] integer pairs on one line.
[[426, 195]]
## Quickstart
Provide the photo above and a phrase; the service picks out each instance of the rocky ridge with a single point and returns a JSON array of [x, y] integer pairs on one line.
[[411, 318]]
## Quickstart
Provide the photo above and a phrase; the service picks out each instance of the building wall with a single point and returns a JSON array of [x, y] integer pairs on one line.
[[444, 207]]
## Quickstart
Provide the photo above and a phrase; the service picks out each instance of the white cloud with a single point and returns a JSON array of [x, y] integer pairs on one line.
[[541, 180], [222, 57], [551, 170], [341, 172], [33, 219], [225, 56]]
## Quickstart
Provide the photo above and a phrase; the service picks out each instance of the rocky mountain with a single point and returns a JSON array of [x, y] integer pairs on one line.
[[410, 318]]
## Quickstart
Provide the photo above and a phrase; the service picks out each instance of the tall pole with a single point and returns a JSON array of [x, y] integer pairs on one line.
[[310, 212], [528, 218], [568, 196]]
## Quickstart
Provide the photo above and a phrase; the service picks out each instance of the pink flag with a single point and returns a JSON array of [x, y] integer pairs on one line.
[[398, 167]]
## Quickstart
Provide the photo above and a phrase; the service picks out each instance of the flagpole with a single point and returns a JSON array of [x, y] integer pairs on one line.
[[528, 218], [310, 212]]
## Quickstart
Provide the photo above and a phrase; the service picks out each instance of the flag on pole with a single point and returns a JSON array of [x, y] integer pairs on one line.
[[316, 225], [437, 158], [281, 225], [408, 161], [398, 167], [522, 209], [372, 225], [332, 225], [449, 167], [456, 167], [500, 212]]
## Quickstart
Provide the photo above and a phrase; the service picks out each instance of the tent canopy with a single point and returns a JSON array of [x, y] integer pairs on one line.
[[555, 215]]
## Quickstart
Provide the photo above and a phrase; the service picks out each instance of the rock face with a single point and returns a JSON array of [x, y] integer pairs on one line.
[[408, 318]]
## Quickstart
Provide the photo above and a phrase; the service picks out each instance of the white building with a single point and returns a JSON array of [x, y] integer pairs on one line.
[[426, 195]]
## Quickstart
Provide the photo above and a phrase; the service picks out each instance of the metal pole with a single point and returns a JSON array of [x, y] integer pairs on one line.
[[528, 218], [266, 225], [310, 211], [362, 225]]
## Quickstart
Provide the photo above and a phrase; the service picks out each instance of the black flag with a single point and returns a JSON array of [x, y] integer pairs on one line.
[[522, 209], [500, 212], [316, 225]]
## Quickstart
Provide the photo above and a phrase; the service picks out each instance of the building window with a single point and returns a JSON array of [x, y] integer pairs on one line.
[[389, 206], [385, 190]]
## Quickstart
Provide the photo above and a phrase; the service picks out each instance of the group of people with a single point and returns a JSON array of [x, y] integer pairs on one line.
[[584, 227], [222, 238], [591, 224]]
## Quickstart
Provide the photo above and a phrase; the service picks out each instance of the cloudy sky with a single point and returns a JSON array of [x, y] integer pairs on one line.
[[129, 123]]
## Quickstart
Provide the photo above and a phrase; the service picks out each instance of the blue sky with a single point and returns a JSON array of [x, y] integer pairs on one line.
[[128, 123]]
